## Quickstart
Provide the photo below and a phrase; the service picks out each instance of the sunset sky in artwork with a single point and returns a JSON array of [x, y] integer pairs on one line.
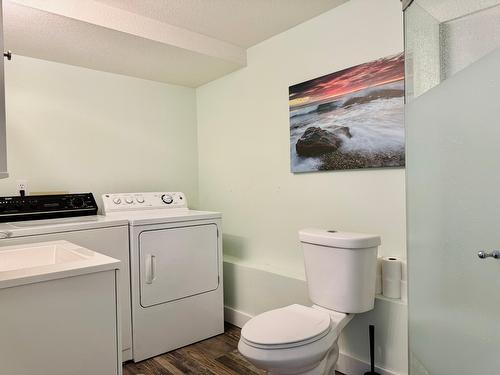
[[332, 86]]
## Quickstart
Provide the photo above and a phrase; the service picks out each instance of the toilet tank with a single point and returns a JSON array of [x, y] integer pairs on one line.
[[340, 269]]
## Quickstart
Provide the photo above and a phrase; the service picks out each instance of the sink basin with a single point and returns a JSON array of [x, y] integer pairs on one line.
[[37, 262], [36, 256]]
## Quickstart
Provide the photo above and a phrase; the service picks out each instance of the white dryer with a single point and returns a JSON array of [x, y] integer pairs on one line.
[[176, 270]]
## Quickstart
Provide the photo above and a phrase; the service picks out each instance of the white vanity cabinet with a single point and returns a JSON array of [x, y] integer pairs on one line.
[[104, 235], [3, 136], [59, 311]]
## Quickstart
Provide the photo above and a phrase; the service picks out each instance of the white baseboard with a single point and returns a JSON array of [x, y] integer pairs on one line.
[[353, 366], [235, 317], [346, 364]]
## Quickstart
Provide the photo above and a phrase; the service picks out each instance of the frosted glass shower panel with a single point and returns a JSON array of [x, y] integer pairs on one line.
[[453, 202], [466, 39], [445, 36]]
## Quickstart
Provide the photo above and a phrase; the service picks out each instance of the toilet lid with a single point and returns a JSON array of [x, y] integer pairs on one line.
[[291, 324]]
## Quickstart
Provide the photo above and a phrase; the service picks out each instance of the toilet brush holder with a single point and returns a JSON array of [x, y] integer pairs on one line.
[[372, 351]]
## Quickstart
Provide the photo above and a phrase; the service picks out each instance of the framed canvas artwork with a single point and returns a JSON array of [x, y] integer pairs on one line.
[[350, 119]]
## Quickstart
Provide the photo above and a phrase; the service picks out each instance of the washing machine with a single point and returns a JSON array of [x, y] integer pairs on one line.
[[176, 270]]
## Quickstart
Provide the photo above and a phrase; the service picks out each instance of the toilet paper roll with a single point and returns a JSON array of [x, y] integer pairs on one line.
[[391, 269], [378, 285], [404, 271], [391, 288], [404, 291], [379, 266]]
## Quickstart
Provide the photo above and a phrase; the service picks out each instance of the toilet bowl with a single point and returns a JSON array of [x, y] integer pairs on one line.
[[297, 339]]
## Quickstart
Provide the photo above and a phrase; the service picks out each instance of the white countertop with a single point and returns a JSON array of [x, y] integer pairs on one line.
[[43, 261]]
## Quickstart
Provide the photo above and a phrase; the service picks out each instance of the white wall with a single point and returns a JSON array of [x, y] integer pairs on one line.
[[76, 129], [244, 169]]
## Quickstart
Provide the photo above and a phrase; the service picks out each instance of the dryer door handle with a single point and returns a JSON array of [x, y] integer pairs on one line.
[[150, 269]]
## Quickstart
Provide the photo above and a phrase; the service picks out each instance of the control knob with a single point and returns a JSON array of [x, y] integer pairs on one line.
[[167, 198], [117, 200], [77, 202], [129, 200]]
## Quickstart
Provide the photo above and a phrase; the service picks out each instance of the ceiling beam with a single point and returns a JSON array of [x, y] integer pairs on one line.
[[102, 15]]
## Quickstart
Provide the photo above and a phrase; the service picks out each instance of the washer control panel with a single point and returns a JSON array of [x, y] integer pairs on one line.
[[118, 202], [34, 207]]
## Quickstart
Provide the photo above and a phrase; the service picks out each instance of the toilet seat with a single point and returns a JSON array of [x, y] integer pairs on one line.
[[294, 340], [288, 327]]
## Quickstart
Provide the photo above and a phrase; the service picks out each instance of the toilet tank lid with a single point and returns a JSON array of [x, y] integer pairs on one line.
[[332, 238]]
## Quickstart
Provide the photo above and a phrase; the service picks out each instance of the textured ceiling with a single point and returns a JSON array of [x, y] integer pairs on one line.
[[52, 37], [240, 22], [186, 42]]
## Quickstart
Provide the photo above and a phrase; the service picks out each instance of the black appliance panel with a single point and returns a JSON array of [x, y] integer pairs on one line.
[[34, 207]]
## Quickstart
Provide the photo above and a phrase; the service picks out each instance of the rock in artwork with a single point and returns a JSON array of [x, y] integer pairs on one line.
[[350, 119]]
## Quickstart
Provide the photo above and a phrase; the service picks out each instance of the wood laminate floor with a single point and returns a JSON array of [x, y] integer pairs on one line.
[[216, 356]]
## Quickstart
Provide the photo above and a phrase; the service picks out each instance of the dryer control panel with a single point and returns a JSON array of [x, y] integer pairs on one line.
[[120, 202]]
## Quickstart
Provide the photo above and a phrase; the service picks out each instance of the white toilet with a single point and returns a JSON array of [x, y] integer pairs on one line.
[[341, 272]]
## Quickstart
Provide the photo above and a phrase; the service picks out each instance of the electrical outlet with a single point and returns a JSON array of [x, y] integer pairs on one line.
[[22, 185]]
